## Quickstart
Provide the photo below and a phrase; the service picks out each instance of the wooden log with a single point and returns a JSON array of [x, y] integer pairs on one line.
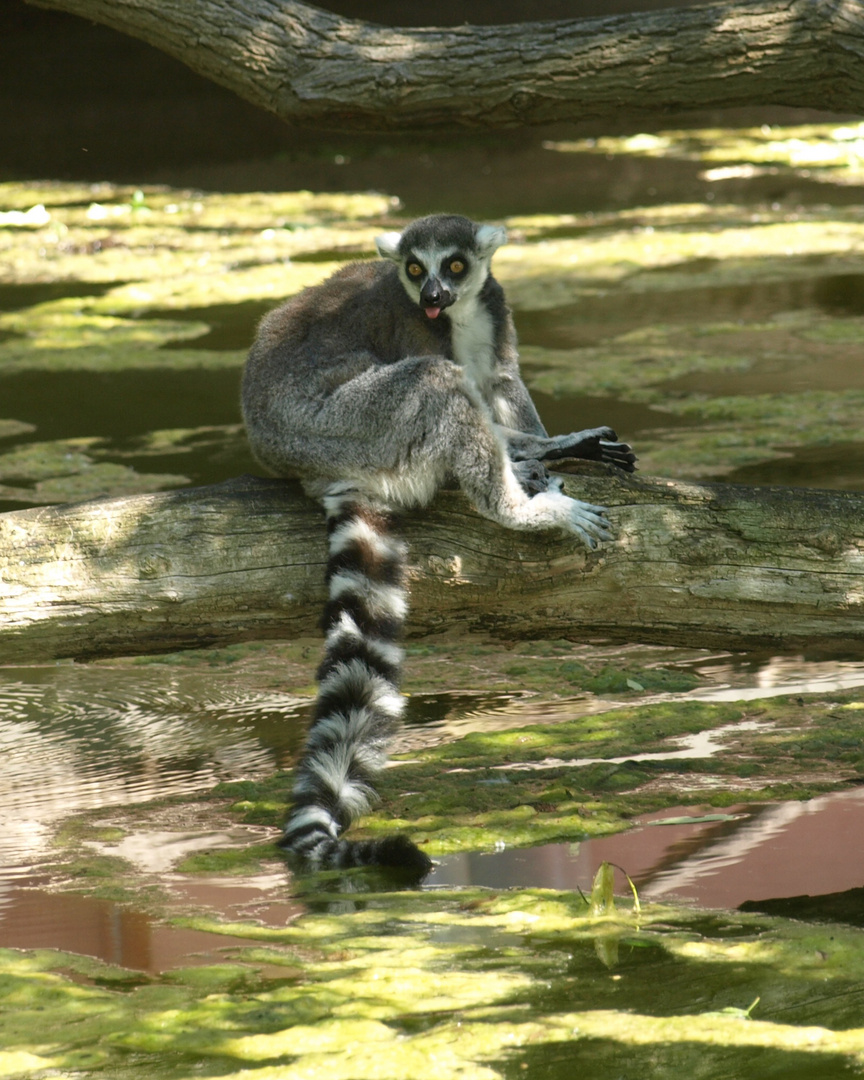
[[693, 564], [312, 67]]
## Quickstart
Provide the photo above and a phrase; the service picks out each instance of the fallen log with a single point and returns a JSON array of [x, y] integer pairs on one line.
[[693, 564]]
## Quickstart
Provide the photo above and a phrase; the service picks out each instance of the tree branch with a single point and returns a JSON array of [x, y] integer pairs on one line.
[[693, 564], [311, 67]]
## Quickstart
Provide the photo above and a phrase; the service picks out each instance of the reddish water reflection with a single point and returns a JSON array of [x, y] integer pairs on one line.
[[758, 852], [753, 853], [31, 918]]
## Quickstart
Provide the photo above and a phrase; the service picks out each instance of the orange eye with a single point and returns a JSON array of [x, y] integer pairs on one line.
[[415, 269], [457, 266]]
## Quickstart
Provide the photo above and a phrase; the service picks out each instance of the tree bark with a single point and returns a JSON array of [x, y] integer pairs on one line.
[[693, 564], [311, 67]]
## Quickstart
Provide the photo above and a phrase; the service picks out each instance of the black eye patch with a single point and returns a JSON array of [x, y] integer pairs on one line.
[[455, 266]]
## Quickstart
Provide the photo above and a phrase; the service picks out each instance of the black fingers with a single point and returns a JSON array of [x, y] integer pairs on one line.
[[581, 444], [620, 454], [593, 444]]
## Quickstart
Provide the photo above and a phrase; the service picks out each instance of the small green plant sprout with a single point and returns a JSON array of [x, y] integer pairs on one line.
[[602, 901], [602, 895], [734, 1012], [602, 904]]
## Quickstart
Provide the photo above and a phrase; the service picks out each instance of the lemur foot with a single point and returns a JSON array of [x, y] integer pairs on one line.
[[532, 475], [593, 444], [552, 509]]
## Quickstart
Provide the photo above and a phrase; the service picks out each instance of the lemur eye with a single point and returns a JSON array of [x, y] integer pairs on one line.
[[457, 266], [415, 269]]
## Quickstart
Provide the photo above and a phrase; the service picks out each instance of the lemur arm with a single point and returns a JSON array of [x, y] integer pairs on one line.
[[593, 444], [528, 441]]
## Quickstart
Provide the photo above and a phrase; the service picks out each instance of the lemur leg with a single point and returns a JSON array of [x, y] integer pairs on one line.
[[593, 444], [444, 431]]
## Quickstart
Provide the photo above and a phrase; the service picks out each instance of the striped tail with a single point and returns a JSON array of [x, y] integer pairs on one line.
[[359, 705]]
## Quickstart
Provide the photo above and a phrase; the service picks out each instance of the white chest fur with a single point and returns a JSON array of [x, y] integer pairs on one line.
[[473, 339]]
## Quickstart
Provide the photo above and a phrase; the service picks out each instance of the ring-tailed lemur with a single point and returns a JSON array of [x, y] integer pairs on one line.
[[376, 388]]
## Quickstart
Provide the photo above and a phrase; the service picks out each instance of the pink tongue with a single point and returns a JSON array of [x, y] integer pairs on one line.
[[433, 312]]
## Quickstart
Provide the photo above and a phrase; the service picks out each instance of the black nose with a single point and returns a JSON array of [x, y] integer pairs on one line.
[[433, 294]]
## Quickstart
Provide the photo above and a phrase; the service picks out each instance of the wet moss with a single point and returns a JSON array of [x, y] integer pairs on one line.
[[234, 861], [475, 982], [603, 680], [65, 470]]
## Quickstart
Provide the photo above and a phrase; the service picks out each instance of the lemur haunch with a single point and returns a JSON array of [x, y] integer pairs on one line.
[[375, 389]]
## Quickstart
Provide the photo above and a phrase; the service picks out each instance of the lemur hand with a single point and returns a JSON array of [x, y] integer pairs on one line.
[[593, 444]]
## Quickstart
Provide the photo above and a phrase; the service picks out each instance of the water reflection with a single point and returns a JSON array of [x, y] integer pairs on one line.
[[36, 919], [74, 738], [103, 737], [751, 853]]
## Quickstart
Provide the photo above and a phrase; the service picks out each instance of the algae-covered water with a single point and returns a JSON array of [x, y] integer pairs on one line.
[[701, 291]]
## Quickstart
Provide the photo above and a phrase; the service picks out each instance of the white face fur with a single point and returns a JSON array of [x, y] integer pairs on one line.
[[459, 269]]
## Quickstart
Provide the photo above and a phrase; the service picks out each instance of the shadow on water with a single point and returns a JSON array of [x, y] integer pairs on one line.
[[232, 326], [597, 318], [839, 466], [17, 295], [607, 1057], [122, 404]]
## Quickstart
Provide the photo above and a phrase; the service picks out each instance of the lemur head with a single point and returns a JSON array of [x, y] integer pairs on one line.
[[443, 259]]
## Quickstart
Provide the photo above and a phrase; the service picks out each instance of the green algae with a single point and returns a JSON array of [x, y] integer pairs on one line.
[[477, 984], [607, 679], [482, 983], [832, 151], [65, 471], [757, 418], [234, 861], [665, 250], [11, 428], [564, 781]]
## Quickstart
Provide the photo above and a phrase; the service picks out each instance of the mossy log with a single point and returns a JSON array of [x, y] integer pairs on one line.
[[315, 68], [693, 564]]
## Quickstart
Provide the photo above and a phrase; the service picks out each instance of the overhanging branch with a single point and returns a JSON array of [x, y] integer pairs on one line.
[[311, 67]]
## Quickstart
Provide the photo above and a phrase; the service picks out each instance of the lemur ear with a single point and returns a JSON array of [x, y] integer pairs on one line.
[[489, 238], [387, 245]]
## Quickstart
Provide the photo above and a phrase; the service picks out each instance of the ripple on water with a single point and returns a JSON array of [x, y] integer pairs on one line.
[[77, 739]]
